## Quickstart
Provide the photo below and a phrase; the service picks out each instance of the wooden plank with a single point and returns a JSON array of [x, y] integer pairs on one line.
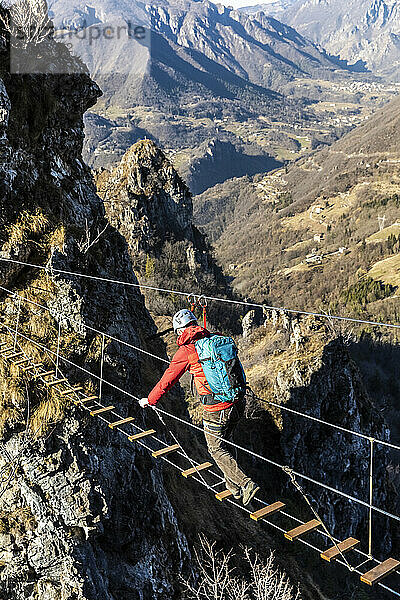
[[18, 363], [380, 571], [78, 388], [121, 422], [194, 470], [267, 510], [56, 382], [344, 547], [31, 367], [101, 410], [223, 495], [166, 450], [84, 400], [302, 529], [142, 434], [45, 374], [14, 355]]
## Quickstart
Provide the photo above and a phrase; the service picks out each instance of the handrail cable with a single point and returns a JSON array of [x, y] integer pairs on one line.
[[215, 299]]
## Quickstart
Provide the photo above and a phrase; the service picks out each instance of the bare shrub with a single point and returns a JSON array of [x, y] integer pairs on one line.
[[217, 579], [89, 239], [27, 20]]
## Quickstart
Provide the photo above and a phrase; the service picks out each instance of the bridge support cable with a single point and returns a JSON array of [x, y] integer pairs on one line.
[[165, 361], [192, 425], [202, 296]]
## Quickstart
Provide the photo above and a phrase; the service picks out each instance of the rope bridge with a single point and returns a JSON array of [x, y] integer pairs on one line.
[[202, 473]]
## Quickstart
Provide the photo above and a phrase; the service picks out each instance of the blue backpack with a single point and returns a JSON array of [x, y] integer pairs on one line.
[[222, 368]]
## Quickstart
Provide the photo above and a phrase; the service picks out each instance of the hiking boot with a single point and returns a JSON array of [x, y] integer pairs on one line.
[[248, 492], [236, 491]]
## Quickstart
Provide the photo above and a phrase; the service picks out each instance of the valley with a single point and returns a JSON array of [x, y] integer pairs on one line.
[[218, 90]]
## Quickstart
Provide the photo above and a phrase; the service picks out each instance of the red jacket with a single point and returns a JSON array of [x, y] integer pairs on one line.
[[186, 359]]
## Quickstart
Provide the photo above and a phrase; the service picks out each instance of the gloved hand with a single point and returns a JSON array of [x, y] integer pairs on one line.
[[144, 402]]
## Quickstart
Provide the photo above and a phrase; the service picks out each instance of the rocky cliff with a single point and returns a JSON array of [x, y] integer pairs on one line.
[[75, 518], [306, 367], [151, 206]]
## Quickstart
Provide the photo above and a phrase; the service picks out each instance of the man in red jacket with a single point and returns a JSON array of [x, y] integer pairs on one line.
[[219, 418]]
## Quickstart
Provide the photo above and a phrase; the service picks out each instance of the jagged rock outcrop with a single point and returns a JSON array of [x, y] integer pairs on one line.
[[148, 202], [75, 515], [146, 198]]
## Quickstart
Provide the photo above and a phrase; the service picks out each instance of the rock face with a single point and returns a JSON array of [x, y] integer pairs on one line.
[[147, 201], [146, 198], [365, 32], [85, 514]]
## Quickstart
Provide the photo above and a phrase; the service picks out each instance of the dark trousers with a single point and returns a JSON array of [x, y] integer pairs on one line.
[[223, 424]]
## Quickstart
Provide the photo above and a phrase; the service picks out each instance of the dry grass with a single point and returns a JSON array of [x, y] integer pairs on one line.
[[267, 353], [49, 407], [28, 224], [383, 235], [387, 270], [49, 412], [57, 238], [17, 522]]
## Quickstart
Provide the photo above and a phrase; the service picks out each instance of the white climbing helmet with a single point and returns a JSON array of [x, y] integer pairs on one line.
[[183, 318]]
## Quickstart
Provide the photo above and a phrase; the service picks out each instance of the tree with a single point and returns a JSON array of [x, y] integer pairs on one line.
[[217, 580], [27, 21]]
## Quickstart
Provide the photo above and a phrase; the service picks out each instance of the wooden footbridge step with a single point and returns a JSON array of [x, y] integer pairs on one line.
[[267, 510], [194, 470], [84, 400], [165, 451], [45, 374], [18, 363], [121, 422], [223, 495], [101, 410], [380, 571], [141, 435], [32, 368], [72, 390], [5, 350], [302, 529], [56, 382], [14, 355], [341, 548]]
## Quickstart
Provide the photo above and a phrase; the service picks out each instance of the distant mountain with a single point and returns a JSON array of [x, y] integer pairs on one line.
[[273, 8], [201, 72], [256, 48], [366, 30]]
